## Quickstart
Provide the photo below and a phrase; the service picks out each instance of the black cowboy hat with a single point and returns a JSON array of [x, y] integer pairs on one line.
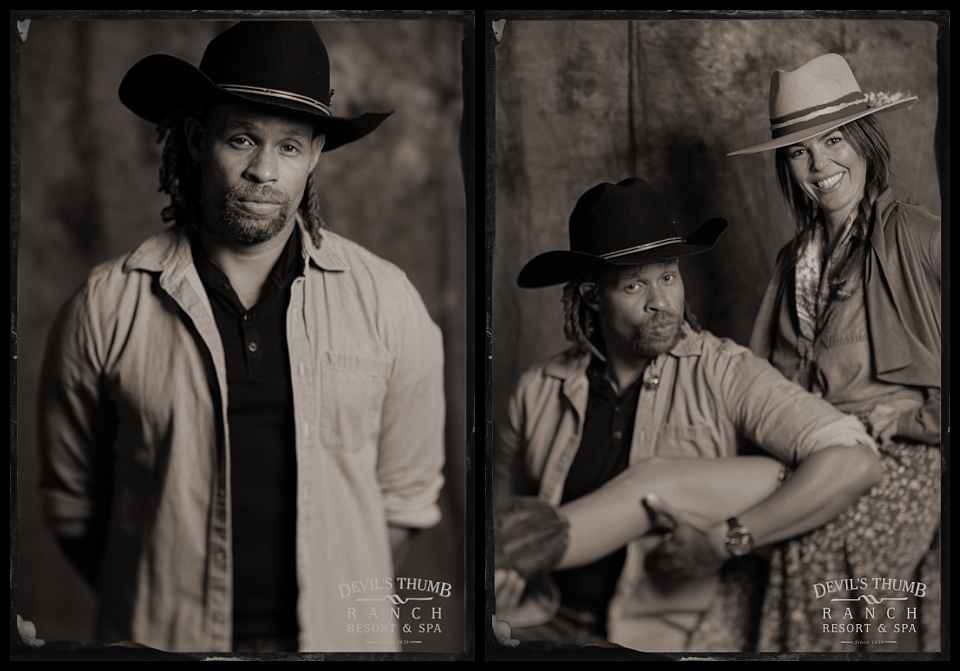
[[624, 224], [278, 63]]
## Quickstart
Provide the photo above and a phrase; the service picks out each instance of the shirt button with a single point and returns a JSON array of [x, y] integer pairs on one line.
[[220, 556], [246, 316], [252, 347], [617, 435], [218, 616]]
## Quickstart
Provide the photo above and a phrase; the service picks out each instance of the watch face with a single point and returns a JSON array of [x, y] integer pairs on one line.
[[739, 542]]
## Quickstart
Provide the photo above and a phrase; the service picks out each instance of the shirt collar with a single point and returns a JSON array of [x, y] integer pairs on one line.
[[328, 255], [170, 250]]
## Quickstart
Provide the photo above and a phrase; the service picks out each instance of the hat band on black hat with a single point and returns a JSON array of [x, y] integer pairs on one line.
[[276, 93], [641, 248]]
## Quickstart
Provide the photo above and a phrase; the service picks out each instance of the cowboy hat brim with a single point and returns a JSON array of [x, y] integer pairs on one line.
[[814, 131], [160, 83], [561, 266]]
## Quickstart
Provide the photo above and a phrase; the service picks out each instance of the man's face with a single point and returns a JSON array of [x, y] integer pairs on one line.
[[641, 309], [254, 165]]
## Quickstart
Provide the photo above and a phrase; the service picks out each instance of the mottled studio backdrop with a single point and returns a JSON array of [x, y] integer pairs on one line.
[[579, 102], [89, 193]]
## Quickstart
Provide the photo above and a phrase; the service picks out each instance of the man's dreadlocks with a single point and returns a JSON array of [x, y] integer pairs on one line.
[[180, 178]]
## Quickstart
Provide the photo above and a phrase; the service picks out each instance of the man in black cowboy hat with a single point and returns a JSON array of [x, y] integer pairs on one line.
[[647, 403], [242, 419]]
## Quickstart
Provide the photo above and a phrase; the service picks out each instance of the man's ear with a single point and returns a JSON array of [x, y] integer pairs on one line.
[[196, 134], [589, 291]]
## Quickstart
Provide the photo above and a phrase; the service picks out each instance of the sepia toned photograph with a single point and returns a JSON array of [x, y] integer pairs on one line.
[[718, 244], [240, 335]]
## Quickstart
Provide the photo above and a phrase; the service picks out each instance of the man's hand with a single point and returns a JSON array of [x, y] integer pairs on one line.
[[508, 587], [882, 422], [687, 550]]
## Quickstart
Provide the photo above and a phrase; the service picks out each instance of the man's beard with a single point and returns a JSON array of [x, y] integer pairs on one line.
[[249, 228], [658, 335]]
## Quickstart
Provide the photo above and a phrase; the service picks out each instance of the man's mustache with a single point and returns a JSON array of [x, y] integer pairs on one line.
[[264, 194], [665, 316]]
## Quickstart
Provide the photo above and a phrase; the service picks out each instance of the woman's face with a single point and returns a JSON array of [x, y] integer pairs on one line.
[[831, 173]]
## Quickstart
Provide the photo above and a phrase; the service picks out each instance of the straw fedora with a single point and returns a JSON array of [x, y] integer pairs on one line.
[[623, 224], [820, 95], [282, 64]]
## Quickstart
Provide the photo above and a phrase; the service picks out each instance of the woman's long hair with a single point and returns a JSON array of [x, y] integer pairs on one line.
[[868, 141], [180, 178]]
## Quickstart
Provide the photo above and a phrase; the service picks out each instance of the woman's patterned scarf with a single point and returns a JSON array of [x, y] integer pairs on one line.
[[813, 273]]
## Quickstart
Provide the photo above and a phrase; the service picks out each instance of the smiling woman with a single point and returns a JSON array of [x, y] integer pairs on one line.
[[832, 173], [852, 313]]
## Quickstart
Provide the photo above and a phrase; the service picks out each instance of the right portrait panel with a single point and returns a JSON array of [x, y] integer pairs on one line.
[[714, 358]]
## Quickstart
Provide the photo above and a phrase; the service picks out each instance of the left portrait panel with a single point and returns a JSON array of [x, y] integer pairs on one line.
[[239, 399]]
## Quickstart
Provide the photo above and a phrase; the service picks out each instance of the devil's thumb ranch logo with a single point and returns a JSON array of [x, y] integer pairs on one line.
[[870, 610], [409, 610]]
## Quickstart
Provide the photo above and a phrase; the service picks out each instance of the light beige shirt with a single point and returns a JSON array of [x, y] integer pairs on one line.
[[134, 433], [700, 400]]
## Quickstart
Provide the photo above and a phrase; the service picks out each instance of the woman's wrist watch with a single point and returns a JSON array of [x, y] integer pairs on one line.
[[738, 541]]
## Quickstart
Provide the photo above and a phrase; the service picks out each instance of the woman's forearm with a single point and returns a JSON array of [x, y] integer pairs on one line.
[[713, 489]]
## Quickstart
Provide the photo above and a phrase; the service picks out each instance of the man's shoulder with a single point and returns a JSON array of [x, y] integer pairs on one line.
[[562, 366], [102, 294], [358, 258], [154, 253], [363, 271], [720, 344], [723, 353], [699, 342], [368, 284]]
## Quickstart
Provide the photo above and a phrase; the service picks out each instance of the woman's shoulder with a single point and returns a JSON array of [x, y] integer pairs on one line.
[[909, 228], [918, 215], [905, 213]]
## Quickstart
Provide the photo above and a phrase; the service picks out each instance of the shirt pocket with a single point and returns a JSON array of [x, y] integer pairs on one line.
[[684, 440], [352, 390]]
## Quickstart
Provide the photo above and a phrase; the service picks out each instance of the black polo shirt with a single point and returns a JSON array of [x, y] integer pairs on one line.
[[604, 452], [263, 464]]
